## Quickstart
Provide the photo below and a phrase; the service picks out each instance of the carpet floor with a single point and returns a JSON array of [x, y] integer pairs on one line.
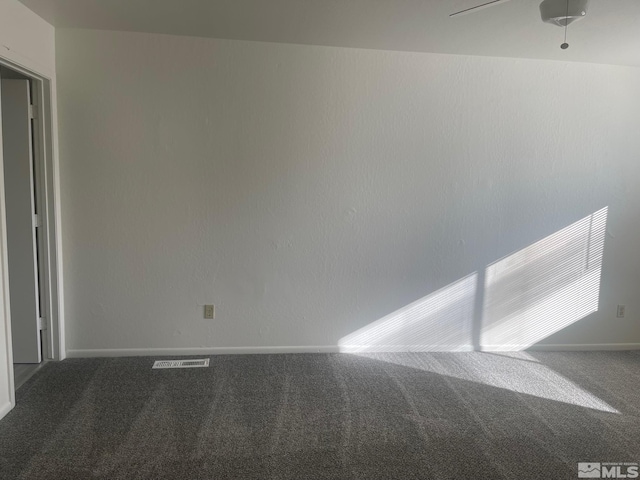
[[326, 416]]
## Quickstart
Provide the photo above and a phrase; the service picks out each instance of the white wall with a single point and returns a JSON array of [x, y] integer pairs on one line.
[[28, 41], [310, 191]]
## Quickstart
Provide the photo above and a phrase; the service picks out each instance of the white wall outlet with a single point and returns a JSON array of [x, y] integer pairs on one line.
[[209, 311], [621, 311]]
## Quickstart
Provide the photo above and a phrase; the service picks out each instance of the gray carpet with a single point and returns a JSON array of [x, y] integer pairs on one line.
[[338, 416]]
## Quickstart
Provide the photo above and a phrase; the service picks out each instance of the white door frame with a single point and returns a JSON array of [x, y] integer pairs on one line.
[[47, 195]]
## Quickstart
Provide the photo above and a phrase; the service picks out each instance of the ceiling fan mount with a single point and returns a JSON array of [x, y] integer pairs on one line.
[[557, 12], [563, 12]]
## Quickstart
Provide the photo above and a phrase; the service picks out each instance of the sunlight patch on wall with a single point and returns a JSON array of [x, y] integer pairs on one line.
[[439, 321], [545, 287]]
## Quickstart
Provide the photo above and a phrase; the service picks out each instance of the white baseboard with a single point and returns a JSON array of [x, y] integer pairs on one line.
[[404, 349], [567, 347], [155, 352], [5, 408]]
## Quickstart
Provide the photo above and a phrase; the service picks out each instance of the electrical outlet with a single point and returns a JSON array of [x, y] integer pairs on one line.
[[209, 312], [621, 311]]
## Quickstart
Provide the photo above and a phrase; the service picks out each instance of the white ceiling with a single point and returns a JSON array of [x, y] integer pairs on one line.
[[609, 34]]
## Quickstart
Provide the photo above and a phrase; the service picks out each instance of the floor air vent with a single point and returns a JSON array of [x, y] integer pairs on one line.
[[181, 363]]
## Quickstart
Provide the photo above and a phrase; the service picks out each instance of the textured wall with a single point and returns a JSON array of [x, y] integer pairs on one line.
[[26, 39], [310, 191]]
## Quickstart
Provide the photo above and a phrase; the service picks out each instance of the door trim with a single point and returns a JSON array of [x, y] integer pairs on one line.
[[48, 198]]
